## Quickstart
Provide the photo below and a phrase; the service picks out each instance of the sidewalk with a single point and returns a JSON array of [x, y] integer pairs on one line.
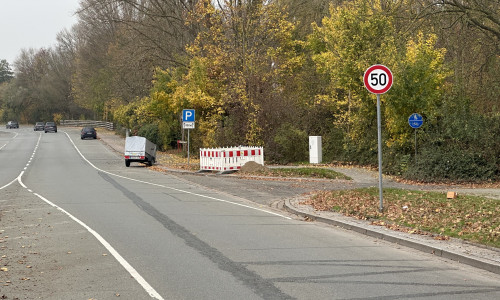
[[486, 258]]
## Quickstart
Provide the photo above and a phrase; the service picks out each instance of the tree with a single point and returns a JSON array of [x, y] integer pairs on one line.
[[483, 14], [42, 85], [119, 45], [6, 73], [306, 12], [238, 71], [420, 87], [356, 35], [156, 110], [469, 30]]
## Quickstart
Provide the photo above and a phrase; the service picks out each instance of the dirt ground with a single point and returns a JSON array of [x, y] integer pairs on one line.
[[46, 255]]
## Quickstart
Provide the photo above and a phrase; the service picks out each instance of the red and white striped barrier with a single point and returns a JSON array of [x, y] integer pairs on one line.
[[227, 159]]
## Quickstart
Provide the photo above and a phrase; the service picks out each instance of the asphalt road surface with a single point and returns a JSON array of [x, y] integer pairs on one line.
[[134, 233]]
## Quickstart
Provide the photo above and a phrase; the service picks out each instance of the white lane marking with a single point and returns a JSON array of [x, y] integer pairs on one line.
[[16, 179], [20, 181], [171, 188], [133, 272], [15, 135], [1, 188]]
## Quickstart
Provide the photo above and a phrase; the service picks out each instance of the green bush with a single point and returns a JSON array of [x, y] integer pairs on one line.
[[333, 148], [290, 145], [445, 164], [397, 163], [151, 132]]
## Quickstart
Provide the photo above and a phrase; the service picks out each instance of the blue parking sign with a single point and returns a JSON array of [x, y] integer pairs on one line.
[[188, 115], [415, 120]]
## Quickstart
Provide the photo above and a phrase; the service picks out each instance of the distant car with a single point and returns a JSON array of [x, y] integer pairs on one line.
[[38, 126], [12, 124], [88, 132], [50, 126]]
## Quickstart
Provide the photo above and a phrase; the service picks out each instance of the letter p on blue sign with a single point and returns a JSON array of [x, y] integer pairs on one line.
[[188, 115]]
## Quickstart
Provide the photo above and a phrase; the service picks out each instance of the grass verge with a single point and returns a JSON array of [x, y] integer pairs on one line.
[[303, 172], [472, 218]]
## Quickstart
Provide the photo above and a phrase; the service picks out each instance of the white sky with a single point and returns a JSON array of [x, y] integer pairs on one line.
[[34, 24]]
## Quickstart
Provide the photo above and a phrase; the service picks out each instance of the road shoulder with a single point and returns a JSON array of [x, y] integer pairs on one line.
[[46, 255]]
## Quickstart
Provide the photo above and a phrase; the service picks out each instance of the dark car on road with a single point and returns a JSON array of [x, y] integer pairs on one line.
[[38, 126], [12, 124], [50, 126], [88, 132]]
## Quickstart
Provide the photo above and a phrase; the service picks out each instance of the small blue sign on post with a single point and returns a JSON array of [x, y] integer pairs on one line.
[[415, 120], [188, 115]]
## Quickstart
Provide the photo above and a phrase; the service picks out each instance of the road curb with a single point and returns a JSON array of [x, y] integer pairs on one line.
[[387, 236], [476, 262]]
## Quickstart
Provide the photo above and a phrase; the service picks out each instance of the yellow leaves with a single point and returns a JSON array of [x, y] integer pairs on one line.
[[424, 49]]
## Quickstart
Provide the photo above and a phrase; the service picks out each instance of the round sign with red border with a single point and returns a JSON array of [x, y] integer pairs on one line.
[[378, 79]]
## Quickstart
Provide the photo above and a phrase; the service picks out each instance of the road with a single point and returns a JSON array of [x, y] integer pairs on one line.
[[99, 230]]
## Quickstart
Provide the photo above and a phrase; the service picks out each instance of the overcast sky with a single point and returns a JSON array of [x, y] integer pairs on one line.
[[34, 24]]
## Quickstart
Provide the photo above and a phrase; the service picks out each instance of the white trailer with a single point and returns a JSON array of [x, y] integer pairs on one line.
[[139, 149]]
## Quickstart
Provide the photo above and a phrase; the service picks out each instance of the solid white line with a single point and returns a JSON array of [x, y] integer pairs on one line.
[[20, 181], [1, 188], [171, 188], [145, 285]]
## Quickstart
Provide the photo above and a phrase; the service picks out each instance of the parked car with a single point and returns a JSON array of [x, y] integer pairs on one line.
[[88, 132], [50, 126], [12, 124], [38, 126]]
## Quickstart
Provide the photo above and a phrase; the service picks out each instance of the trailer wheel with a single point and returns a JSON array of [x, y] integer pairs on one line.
[[127, 163]]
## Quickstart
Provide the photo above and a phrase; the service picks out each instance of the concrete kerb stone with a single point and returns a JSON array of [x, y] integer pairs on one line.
[[374, 231], [395, 237]]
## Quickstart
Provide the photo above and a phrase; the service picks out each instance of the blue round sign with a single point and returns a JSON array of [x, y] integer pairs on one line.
[[415, 120]]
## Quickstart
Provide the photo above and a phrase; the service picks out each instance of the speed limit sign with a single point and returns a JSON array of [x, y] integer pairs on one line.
[[378, 79]]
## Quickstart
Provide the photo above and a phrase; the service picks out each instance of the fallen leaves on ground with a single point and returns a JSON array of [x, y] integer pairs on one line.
[[430, 213]]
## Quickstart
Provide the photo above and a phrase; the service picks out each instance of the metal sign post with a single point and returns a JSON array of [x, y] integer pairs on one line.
[[188, 123], [379, 135], [378, 80], [415, 121]]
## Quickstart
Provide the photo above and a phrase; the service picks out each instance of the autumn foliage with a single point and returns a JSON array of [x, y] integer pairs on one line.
[[272, 73]]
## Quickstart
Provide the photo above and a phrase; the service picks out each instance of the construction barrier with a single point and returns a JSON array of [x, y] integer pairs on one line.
[[227, 159]]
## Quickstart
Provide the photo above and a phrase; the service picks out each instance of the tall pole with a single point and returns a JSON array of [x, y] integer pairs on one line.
[[379, 127], [188, 147], [378, 80], [415, 146]]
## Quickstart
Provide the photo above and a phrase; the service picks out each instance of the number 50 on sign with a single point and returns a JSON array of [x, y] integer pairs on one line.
[[378, 79]]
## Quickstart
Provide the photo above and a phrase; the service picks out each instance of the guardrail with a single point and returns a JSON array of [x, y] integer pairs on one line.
[[229, 159], [89, 123]]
